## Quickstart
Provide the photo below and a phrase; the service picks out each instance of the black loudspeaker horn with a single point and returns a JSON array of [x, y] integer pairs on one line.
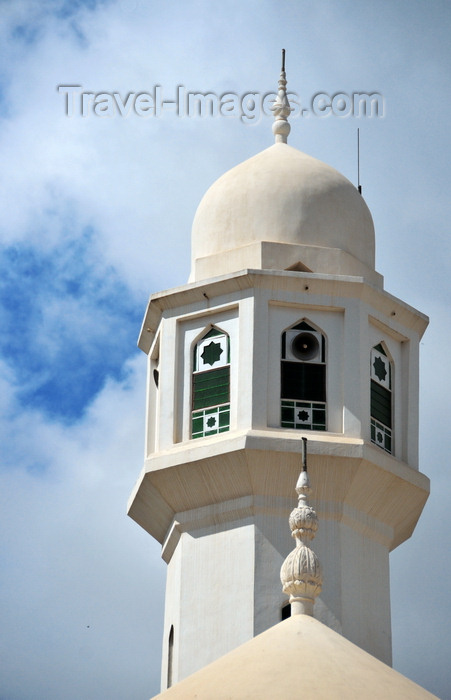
[[305, 346]]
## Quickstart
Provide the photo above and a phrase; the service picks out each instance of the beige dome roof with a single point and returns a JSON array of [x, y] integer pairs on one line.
[[283, 196], [298, 658]]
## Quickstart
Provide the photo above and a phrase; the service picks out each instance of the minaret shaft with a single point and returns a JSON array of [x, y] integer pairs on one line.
[[219, 504], [302, 342]]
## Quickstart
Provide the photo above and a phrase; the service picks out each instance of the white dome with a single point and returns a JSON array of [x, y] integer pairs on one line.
[[283, 196], [297, 658]]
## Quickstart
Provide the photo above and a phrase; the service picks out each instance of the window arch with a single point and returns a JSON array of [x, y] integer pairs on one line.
[[170, 656], [285, 612], [211, 384], [381, 398], [303, 378]]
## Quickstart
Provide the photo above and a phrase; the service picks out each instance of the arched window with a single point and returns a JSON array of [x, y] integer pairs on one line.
[[381, 399], [170, 655], [303, 378], [285, 613], [211, 385]]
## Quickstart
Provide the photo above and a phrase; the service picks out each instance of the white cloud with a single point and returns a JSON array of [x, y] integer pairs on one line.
[[76, 595]]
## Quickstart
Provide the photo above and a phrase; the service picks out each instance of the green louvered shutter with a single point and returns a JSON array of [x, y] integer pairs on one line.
[[211, 385], [381, 399]]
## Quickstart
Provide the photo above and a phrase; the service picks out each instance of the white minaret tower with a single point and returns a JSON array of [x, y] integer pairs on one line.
[[284, 331]]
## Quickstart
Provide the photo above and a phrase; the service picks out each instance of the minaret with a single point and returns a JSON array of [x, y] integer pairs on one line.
[[283, 331]]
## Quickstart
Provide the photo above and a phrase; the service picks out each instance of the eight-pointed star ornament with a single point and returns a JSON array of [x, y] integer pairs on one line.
[[212, 353], [379, 368]]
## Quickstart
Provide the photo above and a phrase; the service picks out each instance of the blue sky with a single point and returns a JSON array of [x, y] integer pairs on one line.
[[96, 215], [65, 306]]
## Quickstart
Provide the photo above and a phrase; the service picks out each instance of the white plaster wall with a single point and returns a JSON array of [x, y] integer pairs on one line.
[[410, 359], [152, 397], [355, 599], [209, 596], [365, 592], [223, 585], [327, 547], [409, 414], [172, 617], [355, 371], [263, 371], [243, 366], [273, 542], [167, 385]]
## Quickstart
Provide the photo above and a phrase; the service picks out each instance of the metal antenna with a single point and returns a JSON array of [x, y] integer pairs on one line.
[[359, 186], [283, 59], [304, 454]]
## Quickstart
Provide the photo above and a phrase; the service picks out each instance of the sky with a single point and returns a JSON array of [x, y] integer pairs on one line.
[[96, 215]]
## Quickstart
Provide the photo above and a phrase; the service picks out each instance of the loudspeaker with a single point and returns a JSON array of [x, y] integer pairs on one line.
[[303, 346]]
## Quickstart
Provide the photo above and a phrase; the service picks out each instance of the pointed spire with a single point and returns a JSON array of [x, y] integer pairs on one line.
[[281, 108], [301, 574]]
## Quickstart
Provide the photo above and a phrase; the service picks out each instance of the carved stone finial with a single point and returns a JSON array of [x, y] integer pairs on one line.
[[301, 573], [281, 108]]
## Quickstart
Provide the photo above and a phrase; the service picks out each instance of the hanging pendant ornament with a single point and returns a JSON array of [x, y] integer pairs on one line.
[[301, 574]]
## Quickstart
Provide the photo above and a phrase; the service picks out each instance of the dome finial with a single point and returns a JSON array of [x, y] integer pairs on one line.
[[301, 574], [281, 108]]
